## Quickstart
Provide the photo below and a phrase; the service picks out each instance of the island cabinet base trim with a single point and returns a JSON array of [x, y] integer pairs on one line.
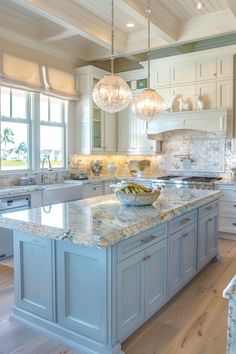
[[85, 345]]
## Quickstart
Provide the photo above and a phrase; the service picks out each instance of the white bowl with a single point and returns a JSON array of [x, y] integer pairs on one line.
[[138, 199]]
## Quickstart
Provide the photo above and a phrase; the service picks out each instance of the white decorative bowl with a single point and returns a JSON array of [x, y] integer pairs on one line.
[[138, 199]]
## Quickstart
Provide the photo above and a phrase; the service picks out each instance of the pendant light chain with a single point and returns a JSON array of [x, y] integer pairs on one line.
[[112, 36], [148, 104], [148, 12], [112, 93]]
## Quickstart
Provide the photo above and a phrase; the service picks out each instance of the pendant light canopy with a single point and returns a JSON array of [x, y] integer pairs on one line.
[[148, 104], [112, 93]]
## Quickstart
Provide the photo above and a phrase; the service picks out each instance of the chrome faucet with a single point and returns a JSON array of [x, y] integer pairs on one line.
[[44, 175]]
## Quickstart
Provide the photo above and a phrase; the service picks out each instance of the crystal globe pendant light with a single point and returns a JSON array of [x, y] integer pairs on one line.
[[148, 104], [112, 93]]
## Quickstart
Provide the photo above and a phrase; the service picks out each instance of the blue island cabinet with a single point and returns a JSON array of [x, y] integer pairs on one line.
[[93, 298]]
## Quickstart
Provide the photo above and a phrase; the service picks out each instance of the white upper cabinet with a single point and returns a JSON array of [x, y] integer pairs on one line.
[[207, 92], [132, 134], [206, 68], [225, 64], [214, 67], [225, 94], [183, 71], [96, 130], [160, 74]]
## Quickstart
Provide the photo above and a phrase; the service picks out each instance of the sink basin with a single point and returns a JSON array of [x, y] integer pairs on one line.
[[61, 192]]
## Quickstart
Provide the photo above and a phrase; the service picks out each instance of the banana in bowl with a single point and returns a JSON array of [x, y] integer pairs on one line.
[[136, 195]]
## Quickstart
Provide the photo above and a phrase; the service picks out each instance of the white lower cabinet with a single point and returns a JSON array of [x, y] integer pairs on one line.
[[93, 190], [227, 210], [141, 287]]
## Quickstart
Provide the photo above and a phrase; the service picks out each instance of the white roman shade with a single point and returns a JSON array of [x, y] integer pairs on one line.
[[21, 71], [60, 82]]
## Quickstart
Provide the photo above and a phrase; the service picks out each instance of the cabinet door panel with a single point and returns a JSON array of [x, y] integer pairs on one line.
[[125, 140], [202, 253], [175, 263], [34, 280], [130, 295], [182, 72], [212, 236], [155, 277], [110, 127], [143, 144], [189, 253], [160, 74], [206, 68], [81, 289], [207, 93], [225, 66], [225, 94], [207, 239]]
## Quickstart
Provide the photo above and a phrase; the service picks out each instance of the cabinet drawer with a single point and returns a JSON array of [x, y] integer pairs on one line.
[[182, 221], [227, 206], [93, 190], [227, 224], [229, 194], [139, 242], [208, 208]]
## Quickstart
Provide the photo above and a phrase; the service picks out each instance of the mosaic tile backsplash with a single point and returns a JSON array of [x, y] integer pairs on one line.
[[183, 152]]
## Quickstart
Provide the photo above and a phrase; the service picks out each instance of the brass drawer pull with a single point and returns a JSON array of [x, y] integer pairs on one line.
[[148, 239]]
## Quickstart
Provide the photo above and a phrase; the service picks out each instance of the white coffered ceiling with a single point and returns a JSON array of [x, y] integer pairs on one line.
[[79, 30]]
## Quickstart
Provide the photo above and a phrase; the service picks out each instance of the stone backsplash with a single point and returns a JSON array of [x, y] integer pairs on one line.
[[183, 152]]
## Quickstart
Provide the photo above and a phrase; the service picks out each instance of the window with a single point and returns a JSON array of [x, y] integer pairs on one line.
[[32, 126], [15, 122], [52, 130]]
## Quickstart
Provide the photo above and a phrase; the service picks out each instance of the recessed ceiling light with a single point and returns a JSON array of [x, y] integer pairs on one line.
[[130, 25], [199, 5]]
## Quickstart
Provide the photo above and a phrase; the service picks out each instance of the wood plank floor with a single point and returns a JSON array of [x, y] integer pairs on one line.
[[193, 322]]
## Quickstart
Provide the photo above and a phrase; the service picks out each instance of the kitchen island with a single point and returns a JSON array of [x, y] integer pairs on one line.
[[91, 272]]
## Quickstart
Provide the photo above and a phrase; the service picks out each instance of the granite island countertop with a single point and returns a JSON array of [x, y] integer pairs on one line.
[[103, 221]]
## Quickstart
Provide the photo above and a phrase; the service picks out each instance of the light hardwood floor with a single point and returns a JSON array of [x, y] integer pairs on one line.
[[193, 322]]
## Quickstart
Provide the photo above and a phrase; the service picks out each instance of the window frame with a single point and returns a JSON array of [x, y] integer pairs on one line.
[[62, 125], [33, 132], [27, 121]]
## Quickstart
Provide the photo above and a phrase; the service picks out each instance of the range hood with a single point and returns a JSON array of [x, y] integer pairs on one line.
[[207, 120]]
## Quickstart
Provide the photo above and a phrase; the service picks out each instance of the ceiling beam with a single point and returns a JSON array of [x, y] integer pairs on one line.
[[76, 19], [163, 22]]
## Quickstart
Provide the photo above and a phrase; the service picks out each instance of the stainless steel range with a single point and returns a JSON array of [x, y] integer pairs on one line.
[[195, 182]]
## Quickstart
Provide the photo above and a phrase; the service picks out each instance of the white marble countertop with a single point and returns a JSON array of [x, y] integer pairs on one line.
[[19, 190], [103, 221]]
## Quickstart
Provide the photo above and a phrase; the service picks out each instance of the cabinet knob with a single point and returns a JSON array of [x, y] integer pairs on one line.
[[234, 223], [210, 219], [234, 205], [144, 258], [185, 235], [214, 74], [148, 256]]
